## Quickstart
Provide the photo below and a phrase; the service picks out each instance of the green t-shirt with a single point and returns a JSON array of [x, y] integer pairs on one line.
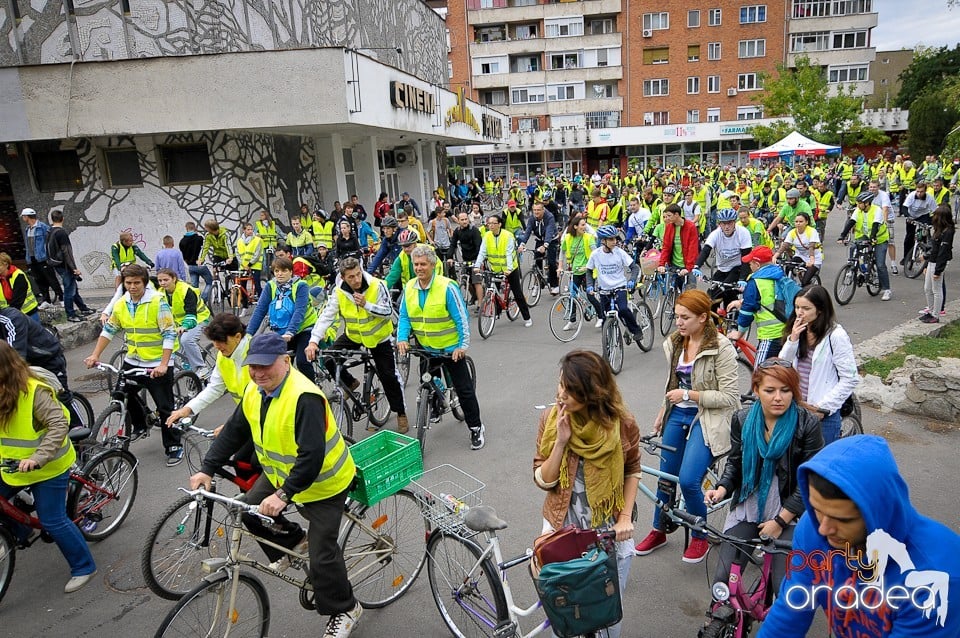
[[677, 257]]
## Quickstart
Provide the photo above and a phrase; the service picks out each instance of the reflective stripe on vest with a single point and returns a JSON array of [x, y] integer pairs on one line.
[[865, 224], [323, 233], [144, 341], [177, 299], [247, 247], [768, 326], [432, 324], [362, 326], [30, 300], [20, 440], [497, 251], [235, 378], [267, 233], [275, 442], [310, 317], [125, 254]]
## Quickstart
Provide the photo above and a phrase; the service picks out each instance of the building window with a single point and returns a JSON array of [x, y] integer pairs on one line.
[[493, 98], [757, 13], [653, 88], [659, 55], [714, 17], [693, 18], [604, 90], [656, 21], [56, 170], [753, 48], [749, 112], [185, 164], [489, 67], [851, 7], [563, 92], [748, 82], [526, 32], [850, 40], [809, 42], [656, 118], [528, 95], [693, 85], [693, 53], [450, 69], [526, 124], [827, 8], [491, 34], [601, 57], [713, 50], [565, 61], [525, 64], [599, 27], [563, 27], [603, 119], [122, 167], [713, 84], [713, 115], [850, 73], [693, 116]]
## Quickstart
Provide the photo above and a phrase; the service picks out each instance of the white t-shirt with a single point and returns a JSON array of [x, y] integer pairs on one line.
[[807, 245], [690, 212], [611, 267], [638, 220], [882, 199], [727, 249]]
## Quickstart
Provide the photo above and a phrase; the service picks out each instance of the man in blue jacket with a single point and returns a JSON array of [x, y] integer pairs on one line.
[[43, 273], [864, 555]]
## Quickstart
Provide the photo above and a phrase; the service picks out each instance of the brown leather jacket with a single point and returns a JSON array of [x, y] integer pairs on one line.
[[557, 502]]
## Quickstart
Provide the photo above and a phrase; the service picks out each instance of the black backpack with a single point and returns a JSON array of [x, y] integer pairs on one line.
[[55, 254]]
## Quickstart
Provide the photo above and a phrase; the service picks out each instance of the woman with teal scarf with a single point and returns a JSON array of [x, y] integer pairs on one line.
[[769, 440]]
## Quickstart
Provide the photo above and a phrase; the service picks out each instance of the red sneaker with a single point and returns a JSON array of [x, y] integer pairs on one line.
[[696, 551], [654, 540]]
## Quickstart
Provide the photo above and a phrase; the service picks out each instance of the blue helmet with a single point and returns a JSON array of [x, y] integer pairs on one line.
[[607, 232], [726, 215]]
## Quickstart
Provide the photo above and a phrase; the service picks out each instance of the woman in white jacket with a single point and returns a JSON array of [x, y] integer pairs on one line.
[[820, 350]]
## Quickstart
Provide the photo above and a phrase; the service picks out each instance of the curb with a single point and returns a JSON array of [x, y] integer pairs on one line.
[[888, 341]]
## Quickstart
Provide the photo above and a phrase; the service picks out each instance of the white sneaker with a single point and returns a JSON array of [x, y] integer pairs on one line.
[[282, 564], [528, 323], [925, 311], [894, 269], [555, 290], [341, 625], [46, 305], [569, 326], [886, 295], [599, 323]]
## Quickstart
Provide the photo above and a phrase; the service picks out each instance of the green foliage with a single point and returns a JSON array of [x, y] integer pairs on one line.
[[946, 344], [932, 116], [929, 70]]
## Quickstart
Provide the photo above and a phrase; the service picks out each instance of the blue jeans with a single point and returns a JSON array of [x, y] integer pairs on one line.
[[70, 294], [50, 498], [196, 272], [831, 427], [689, 462], [880, 252]]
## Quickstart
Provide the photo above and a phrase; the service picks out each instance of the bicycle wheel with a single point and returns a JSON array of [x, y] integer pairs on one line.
[[403, 366], [913, 263], [455, 408], [468, 595], [845, 285], [195, 447], [110, 423], [185, 535], [531, 288], [386, 550], [8, 559], [206, 610], [653, 294], [815, 280], [100, 501], [423, 416], [209, 355], [341, 413], [565, 310], [186, 385], [852, 424], [744, 375], [611, 343], [375, 399], [80, 407], [513, 309], [645, 321], [236, 300], [487, 316], [666, 313], [873, 281], [117, 362], [217, 297]]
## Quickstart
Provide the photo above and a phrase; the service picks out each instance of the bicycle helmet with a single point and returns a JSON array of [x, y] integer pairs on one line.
[[866, 197], [389, 222], [670, 190], [547, 194], [726, 215], [408, 237], [606, 232]]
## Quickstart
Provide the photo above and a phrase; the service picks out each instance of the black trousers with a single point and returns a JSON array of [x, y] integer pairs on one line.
[[299, 344], [332, 591], [46, 278], [460, 379], [729, 277], [161, 389], [551, 256], [910, 237], [384, 363], [517, 288]]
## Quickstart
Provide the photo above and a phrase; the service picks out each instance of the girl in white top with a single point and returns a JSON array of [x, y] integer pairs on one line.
[[803, 241]]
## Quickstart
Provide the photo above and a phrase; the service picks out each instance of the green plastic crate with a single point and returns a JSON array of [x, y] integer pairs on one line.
[[386, 462]]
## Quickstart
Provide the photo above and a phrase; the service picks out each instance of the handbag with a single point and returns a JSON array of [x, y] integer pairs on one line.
[[581, 595], [561, 545]]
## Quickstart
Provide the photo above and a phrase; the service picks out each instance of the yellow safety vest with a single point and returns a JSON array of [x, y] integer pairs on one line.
[[275, 442], [299, 241], [235, 377], [177, 298], [30, 301], [597, 213], [247, 248], [144, 341], [907, 178], [497, 251], [125, 254], [310, 317], [511, 219], [406, 268], [853, 191], [768, 326], [865, 223], [824, 201], [846, 171], [361, 325], [323, 233], [19, 440], [432, 324], [267, 233]]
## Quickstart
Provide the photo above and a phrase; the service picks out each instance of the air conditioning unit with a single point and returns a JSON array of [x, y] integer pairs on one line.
[[648, 33], [404, 156], [731, 92]]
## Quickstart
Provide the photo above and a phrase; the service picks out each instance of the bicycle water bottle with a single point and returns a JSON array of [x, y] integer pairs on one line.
[[863, 268], [186, 365], [442, 390]]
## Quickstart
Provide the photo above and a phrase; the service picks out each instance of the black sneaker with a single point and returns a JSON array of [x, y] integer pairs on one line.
[[174, 455], [476, 438], [86, 312]]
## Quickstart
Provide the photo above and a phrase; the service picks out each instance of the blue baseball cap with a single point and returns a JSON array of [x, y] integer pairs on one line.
[[264, 349]]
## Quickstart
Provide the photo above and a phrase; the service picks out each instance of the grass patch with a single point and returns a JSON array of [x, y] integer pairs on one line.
[[947, 344]]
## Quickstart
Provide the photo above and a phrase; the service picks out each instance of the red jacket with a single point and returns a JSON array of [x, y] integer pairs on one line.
[[689, 241]]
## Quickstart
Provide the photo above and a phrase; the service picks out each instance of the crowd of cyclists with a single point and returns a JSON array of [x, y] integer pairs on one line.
[[406, 279]]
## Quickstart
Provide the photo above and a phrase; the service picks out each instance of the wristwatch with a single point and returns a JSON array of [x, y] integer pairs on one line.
[[686, 395], [282, 496]]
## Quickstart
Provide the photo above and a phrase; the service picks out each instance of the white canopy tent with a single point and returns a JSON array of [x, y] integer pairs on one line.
[[794, 145]]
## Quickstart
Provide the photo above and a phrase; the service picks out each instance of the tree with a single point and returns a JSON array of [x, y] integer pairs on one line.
[[931, 119], [803, 94], [929, 70]]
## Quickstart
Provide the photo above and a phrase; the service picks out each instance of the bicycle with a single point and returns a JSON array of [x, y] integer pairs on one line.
[[746, 351], [568, 312], [914, 262], [860, 270], [218, 287], [348, 405], [666, 283], [382, 547], [240, 295], [497, 297], [177, 361], [436, 394], [492, 202], [797, 270], [612, 337], [535, 280]]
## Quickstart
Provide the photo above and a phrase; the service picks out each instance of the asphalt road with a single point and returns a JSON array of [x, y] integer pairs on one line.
[[517, 372]]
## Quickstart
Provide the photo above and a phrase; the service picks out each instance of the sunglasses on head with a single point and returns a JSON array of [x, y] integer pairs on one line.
[[773, 362]]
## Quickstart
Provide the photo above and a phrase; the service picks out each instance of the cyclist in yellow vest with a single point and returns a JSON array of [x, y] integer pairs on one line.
[[513, 217], [250, 255], [825, 202], [759, 298], [144, 315], [299, 240], [869, 224], [597, 209], [499, 250], [401, 271], [433, 310], [363, 303], [517, 194], [322, 229], [269, 232], [17, 289], [305, 461], [33, 438], [190, 314], [756, 228], [124, 253]]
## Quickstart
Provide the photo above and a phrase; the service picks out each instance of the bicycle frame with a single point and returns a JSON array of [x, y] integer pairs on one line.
[[119, 396]]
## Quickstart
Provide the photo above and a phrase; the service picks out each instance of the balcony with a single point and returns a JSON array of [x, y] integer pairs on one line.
[[860, 89], [541, 45], [562, 107], [542, 9], [834, 57], [555, 76], [834, 23]]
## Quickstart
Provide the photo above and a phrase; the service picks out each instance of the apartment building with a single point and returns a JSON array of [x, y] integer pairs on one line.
[[593, 84]]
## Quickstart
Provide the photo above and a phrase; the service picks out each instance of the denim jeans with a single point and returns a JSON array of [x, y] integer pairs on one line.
[[190, 345], [196, 272], [70, 293], [689, 462], [50, 498], [880, 252], [830, 426]]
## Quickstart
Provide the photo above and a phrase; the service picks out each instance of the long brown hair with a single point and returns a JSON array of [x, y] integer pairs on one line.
[[13, 382], [698, 302], [785, 374], [588, 378]]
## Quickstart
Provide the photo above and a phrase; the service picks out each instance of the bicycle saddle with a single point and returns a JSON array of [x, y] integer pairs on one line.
[[483, 518], [79, 434]]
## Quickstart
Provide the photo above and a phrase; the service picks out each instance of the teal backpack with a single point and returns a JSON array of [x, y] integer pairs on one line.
[[581, 595]]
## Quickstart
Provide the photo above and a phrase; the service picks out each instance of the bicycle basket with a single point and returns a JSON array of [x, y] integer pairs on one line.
[[445, 493], [385, 464]]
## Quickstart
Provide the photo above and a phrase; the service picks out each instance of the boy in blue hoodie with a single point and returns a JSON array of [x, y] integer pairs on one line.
[[759, 297], [864, 555]]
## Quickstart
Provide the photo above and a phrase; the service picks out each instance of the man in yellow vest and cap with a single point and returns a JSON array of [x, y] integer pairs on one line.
[[305, 461]]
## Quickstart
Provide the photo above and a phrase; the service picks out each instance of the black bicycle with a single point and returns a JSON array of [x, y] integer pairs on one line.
[[613, 337], [368, 400], [860, 270], [436, 395], [913, 262]]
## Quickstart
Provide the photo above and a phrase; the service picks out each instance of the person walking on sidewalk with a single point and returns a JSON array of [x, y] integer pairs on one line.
[[36, 244], [60, 256]]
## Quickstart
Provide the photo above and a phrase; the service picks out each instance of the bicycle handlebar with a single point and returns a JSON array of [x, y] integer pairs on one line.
[[246, 508], [135, 372], [699, 524], [10, 466], [652, 444], [346, 354], [186, 424]]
